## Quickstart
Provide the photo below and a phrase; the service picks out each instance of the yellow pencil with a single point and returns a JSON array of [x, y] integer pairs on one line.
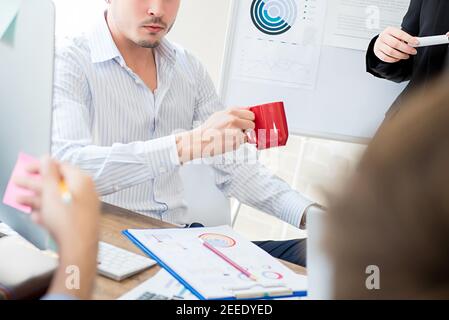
[[65, 193]]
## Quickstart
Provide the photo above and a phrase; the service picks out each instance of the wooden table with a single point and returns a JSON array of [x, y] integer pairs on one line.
[[114, 221]]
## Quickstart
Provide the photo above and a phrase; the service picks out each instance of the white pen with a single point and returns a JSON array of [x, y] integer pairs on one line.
[[253, 294], [255, 284], [432, 41]]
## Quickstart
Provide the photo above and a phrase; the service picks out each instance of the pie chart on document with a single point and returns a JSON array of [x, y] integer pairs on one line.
[[274, 17]]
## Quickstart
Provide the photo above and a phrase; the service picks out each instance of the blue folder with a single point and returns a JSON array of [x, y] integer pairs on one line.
[[186, 284]]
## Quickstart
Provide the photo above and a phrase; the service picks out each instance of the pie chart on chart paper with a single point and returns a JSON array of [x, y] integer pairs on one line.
[[274, 17], [272, 275], [218, 240]]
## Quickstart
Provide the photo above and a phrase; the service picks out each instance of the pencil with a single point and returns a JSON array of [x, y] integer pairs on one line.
[[65, 193], [228, 260]]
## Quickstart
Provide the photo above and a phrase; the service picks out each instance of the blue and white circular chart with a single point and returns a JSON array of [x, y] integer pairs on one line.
[[274, 17]]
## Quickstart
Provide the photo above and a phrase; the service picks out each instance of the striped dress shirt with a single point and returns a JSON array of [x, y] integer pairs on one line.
[[110, 124]]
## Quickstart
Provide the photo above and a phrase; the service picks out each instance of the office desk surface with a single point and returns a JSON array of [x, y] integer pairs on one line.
[[114, 221]]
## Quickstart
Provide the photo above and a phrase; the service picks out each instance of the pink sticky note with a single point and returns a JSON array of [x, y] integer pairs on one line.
[[12, 190]]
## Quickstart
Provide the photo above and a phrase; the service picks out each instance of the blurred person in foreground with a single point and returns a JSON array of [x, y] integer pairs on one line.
[[394, 214]]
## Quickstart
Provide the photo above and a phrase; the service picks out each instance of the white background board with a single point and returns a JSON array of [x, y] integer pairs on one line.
[[334, 97]]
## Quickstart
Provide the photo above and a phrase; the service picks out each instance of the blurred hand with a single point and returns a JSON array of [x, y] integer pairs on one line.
[[67, 223], [223, 132], [74, 225], [394, 45]]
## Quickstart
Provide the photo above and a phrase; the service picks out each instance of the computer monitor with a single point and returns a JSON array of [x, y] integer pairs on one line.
[[26, 89]]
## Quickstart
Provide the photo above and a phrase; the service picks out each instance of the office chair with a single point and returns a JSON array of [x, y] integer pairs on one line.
[[207, 204]]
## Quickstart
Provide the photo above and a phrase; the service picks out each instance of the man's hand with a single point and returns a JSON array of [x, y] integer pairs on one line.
[[223, 132], [394, 45]]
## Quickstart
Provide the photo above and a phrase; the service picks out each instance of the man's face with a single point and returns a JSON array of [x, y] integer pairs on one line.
[[144, 22]]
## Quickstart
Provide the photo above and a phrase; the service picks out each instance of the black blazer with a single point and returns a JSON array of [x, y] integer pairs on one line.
[[424, 18]]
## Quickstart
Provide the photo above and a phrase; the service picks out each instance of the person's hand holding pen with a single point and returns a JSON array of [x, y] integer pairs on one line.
[[66, 203], [394, 45]]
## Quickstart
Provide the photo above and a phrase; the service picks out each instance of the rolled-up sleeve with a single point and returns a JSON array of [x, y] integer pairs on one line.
[[256, 186]]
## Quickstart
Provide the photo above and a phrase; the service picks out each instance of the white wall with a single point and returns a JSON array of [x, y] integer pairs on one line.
[[201, 26], [76, 16]]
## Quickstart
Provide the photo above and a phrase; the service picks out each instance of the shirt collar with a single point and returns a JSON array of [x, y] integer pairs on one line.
[[103, 47], [101, 43], [167, 50]]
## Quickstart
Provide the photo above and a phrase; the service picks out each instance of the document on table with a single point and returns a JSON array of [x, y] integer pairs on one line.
[[162, 286], [208, 275]]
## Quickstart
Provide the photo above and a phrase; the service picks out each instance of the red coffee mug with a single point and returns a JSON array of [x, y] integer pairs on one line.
[[271, 126]]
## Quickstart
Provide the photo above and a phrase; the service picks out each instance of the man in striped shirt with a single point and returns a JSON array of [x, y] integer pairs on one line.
[[130, 108]]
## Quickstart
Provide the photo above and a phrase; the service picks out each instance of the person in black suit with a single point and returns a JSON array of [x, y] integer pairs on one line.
[[391, 56]]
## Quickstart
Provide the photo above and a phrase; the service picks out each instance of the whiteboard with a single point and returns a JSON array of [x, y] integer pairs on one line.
[[343, 102]]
